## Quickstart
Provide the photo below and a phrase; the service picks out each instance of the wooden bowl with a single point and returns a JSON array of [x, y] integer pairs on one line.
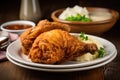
[[94, 27]]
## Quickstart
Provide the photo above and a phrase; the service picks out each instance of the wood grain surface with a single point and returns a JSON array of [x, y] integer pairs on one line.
[[111, 71], [9, 71]]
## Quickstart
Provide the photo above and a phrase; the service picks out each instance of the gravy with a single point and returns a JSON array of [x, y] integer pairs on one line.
[[17, 27]]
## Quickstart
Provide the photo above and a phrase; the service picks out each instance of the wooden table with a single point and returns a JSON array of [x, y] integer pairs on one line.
[[111, 71], [10, 71]]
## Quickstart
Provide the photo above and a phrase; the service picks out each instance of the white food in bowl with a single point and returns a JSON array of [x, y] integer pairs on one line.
[[83, 11], [100, 16], [73, 12]]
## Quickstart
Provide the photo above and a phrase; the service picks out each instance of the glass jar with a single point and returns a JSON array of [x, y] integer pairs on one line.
[[30, 10]]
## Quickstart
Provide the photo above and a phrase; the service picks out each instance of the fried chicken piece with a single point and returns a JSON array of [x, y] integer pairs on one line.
[[27, 38], [57, 46], [45, 25]]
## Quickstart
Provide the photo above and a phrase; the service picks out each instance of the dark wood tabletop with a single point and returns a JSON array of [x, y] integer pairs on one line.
[[10, 71]]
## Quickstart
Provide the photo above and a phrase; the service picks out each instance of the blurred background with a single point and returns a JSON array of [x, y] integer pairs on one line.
[[10, 9]]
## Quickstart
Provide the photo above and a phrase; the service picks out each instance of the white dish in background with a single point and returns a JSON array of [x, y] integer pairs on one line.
[[14, 52], [63, 69], [16, 22]]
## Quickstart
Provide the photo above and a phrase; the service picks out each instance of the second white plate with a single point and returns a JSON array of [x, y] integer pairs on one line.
[[62, 70], [14, 51]]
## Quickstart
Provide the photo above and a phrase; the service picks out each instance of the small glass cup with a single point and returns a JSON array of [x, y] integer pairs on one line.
[[30, 10]]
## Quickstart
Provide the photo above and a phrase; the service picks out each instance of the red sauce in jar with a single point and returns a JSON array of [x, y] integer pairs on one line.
[[17, 27]]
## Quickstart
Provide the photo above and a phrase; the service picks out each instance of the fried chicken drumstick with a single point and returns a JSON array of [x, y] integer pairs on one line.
[[57, 46], [27, 38]]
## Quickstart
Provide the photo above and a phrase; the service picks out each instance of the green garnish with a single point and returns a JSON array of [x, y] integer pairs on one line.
[[78, 17], [83, 37], [101, 52]]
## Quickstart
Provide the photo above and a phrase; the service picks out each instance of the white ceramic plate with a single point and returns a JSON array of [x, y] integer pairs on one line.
[[14, 51], [63, 70]]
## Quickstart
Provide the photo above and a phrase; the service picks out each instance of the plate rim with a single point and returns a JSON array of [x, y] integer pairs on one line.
[[63, 70], [57, 66]]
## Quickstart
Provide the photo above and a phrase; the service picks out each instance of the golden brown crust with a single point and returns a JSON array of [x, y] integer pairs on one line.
[[27, 38], [45, 25], [51, 43], [47, 48], [26, 41], [56, 46]]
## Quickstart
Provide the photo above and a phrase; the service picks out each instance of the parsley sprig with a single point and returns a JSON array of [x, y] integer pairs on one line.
[[78, 17], [101, 52], [83, 36]]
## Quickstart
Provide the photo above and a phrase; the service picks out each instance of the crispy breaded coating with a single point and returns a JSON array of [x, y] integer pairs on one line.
[[27, 38], [57, 46], [47, 26]]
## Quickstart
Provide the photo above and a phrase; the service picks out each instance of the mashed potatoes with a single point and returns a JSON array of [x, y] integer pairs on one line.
[[74, 11], [88, 56], [71, 14]]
